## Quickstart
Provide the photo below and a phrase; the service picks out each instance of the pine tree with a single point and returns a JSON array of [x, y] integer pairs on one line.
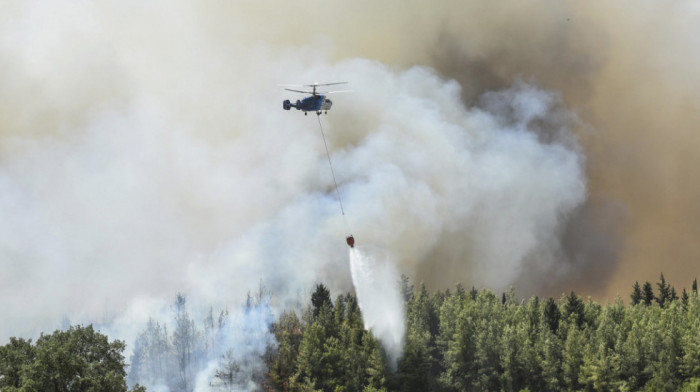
[[664, 292], [376, 365], [684, 299], [461, 370], [416, 368], [288, 333], [473, 293], [552, 315], [573, 357], [575, 307], [320, 298], [636, 295], [150, 359], [460, 292], [184, 344], [647, 293], [406, 288], [695, 286]]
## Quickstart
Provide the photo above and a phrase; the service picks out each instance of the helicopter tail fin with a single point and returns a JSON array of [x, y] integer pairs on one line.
[[287, 104]]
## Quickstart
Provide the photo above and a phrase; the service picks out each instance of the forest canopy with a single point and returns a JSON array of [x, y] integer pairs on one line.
[[456, 340], [78, 359]]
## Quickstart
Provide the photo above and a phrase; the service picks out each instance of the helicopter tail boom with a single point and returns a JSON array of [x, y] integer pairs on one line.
[[286, 105]]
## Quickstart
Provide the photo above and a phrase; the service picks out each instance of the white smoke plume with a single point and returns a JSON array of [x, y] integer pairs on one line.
[[222, 350], [376, 284], [238, 350], [146, 152]]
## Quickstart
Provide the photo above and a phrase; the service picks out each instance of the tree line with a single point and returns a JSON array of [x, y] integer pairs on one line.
[[456, 340], [469, 340]]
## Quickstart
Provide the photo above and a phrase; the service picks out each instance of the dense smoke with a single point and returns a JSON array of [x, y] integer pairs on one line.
[[143, 149]]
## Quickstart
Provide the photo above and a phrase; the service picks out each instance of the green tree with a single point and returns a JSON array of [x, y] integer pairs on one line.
[[476, 341], [600, 369], [684, 299], [552, 315], [551, 359], [647, 293], [636, 295], [79, 359], [14, 357], [573, 357], [491, 322], [574, 307], [281, 362], [417, 368], [406, 288], [664, 291], [674, 296], [461, 351], [691, 343], [376, 366], [320, 298], [473, 293], [414, 366]]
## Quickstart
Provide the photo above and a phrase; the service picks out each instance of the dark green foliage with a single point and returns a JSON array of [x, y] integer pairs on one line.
[[695, 286], [15, 356], [460, 292], [636, 295], [674, 296], [664, 292], [647, 294], [406, 288], [288, 333], [320, 298], [477, 341], [552, 315], [473, 293], [328, 351], [78, 359], [574, 308], [465, 341], [421, 361]]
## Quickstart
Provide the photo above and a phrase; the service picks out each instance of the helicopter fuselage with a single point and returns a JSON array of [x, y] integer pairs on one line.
[[314, 103]]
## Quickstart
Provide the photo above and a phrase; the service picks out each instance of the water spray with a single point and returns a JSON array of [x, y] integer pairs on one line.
[[375, 280]]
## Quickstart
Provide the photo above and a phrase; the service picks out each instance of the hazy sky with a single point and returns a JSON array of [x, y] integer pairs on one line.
[[549, 145]]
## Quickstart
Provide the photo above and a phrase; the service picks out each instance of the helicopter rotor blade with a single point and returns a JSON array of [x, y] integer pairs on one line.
[[324, 84], [299, 91], [337, 91]]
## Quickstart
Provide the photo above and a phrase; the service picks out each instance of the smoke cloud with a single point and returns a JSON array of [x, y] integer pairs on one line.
[[144, 151]]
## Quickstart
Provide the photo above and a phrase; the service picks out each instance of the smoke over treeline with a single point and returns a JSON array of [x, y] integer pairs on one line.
[[222, 352], [143, 149]]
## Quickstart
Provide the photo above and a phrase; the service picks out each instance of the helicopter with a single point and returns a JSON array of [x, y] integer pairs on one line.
[[317, 102]]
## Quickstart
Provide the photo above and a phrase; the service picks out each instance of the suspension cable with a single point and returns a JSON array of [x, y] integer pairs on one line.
[[328, 155]]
